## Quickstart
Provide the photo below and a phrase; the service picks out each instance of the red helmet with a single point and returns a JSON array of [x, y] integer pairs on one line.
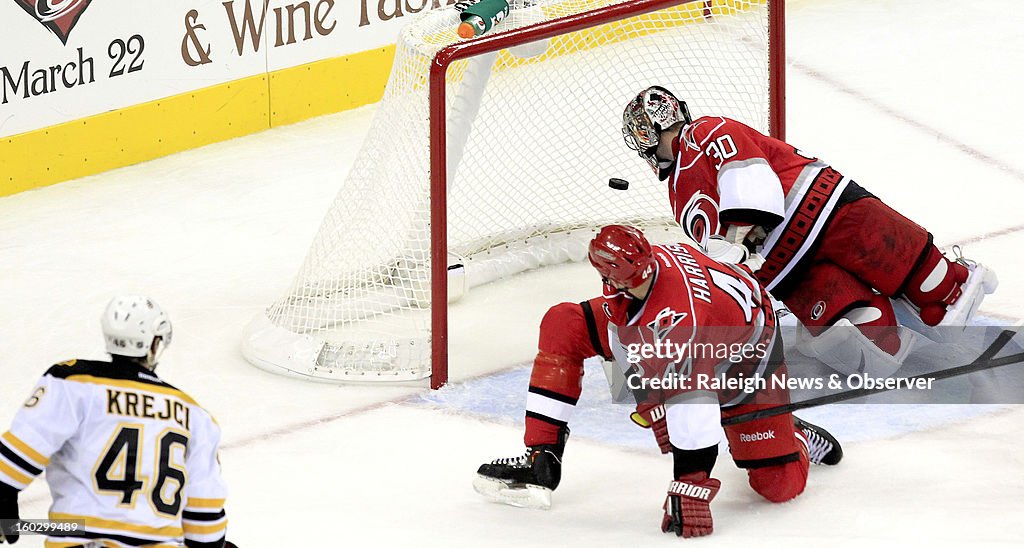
[[622, 255]]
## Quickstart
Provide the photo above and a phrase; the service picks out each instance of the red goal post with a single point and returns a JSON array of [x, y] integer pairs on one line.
[[524, 35]]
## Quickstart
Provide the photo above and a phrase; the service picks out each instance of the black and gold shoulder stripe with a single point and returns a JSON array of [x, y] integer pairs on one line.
[[124, 375]]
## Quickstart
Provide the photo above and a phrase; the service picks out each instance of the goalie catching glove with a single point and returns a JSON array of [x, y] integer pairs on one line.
[[688, 505], [724, 251]]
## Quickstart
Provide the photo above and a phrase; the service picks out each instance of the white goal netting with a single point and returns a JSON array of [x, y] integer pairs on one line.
[[533, 134]]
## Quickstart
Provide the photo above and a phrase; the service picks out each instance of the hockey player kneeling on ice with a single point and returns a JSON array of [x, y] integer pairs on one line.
[[662, 291], [834, 253], [129, 458]]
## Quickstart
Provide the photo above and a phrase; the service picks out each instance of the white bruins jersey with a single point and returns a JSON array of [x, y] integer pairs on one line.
[[131, 456]]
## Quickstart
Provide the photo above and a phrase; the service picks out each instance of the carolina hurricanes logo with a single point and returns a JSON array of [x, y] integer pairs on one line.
[[699, 219], [664, 322], [60, 16]]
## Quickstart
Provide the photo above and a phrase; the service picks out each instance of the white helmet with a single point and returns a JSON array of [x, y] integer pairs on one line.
[[654, 110], [131, 326]]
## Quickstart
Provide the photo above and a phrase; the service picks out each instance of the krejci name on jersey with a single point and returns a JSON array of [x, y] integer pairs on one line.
[[131, 404]]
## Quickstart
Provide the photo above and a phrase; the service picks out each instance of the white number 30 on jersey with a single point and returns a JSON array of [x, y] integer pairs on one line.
[[721, 149]]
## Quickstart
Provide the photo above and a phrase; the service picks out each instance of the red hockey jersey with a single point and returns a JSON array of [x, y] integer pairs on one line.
[[753, 179], [701, 318]]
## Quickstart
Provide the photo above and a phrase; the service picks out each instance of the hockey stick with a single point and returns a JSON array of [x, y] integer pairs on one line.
[[983, 361]]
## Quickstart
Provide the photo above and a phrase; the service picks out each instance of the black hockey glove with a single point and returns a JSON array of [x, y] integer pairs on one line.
[[8, 514]]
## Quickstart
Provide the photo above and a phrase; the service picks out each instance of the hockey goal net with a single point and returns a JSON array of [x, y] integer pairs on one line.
[[491, 156]]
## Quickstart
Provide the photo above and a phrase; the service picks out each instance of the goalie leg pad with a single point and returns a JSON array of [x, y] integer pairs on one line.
[[829, 295], [876, 320], [875, 243], [846, 349], [934, 284], [981, 281], [824, 294]]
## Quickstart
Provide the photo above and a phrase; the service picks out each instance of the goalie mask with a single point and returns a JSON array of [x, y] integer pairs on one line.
[[622, 255], [136, 327], [646, 116]]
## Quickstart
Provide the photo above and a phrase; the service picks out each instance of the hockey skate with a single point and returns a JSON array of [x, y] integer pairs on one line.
[[980, 282], [525, 481], [822, 447]]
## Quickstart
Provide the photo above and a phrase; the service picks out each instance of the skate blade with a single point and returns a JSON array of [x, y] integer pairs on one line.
[[525, 496]]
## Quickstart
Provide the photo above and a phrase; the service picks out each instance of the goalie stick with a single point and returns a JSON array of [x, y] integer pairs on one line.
[[981, 363]]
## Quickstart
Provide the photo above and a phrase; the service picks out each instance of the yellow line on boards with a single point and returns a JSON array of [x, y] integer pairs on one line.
[[189, 120]]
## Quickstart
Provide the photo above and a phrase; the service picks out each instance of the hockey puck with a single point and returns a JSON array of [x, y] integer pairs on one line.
[[618, 184]]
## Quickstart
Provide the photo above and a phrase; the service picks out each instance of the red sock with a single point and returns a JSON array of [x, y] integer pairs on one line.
[[555, 387]]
